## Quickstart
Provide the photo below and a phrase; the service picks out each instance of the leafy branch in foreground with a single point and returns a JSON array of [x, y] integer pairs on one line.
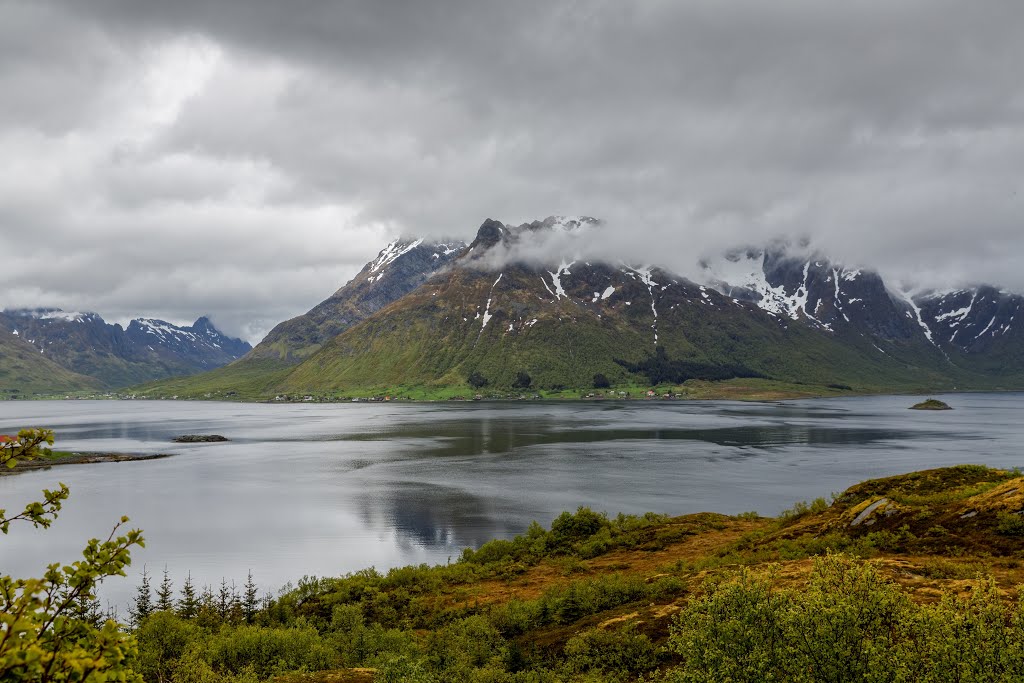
[[28, 445], [45, 635]]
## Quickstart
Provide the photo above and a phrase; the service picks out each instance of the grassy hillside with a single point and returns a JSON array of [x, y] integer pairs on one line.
[[905, 578], [25, 372], [246, 378]]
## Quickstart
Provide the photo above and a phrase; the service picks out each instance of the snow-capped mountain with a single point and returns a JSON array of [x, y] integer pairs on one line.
[[810, 288], [400, 267], [202, 343], [148, 349], [975, 320]]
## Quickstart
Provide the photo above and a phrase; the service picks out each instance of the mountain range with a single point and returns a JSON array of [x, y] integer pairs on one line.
[[48, 349], [429, 316]]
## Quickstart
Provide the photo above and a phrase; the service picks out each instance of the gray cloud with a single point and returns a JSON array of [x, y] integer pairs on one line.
[[242, 159]]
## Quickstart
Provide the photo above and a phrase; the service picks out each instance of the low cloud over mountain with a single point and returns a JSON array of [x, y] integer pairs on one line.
[[239, 158]]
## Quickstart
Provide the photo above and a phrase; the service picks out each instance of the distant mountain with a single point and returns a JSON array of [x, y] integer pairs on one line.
[[422, 315], [85, 344], [975, 330]]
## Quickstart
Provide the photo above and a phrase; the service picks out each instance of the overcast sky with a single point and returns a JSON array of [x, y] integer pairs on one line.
[[243, 158]]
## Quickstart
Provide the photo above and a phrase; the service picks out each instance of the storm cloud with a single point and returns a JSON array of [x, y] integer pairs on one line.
[[242, 159]]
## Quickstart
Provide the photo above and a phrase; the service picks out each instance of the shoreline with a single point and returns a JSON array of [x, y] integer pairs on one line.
[[729, 390], [81, 458]]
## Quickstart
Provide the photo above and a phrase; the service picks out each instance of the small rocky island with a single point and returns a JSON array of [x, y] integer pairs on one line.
[[199, 438], [931, 404]]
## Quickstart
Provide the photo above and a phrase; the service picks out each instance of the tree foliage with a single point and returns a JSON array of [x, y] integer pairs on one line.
[[165, 593], [522, 381], [48, 629], [659, 368]]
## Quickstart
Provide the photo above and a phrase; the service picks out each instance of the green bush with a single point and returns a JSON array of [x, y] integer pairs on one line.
[[818, 505], [570, 528], [848, 624], [269, 651], [614, 652], [163, 638], [459, 648], [1010, 524]]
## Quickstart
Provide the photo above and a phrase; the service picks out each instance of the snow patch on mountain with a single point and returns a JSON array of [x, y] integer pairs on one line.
[[164, 329], [487, 310], [644, 274], [957, 316], [556, 279], [916, 309], [389, 254], [746, 271]]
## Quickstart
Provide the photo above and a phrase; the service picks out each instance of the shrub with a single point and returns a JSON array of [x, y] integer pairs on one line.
[[847, 624], [818, 505], [464, 645], [269, 651], [614, 652], [522, 381], [163, 638], [569, 528], [1009, 524]]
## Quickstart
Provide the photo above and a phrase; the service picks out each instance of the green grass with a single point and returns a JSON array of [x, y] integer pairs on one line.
[[245, 379]]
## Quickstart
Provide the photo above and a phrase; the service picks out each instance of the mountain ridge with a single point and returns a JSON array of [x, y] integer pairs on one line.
[[495, 309], [114, 356]]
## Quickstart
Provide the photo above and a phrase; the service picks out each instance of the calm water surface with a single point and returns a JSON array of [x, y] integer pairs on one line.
[[329, 489]]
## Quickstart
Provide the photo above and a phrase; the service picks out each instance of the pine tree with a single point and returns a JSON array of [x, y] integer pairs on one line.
[[111, 614], [208, 615], [165, 593], [87, 608], [143, 605], [188, 605], [224, 601], [250, 600]]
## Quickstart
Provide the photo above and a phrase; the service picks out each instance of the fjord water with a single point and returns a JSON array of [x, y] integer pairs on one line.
[[328, 489]]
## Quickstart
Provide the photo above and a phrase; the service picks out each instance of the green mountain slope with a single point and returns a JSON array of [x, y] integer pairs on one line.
[[25, 372]]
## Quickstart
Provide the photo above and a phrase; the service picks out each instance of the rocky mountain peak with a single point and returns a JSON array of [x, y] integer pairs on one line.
[[204, 323], [490, 233]]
